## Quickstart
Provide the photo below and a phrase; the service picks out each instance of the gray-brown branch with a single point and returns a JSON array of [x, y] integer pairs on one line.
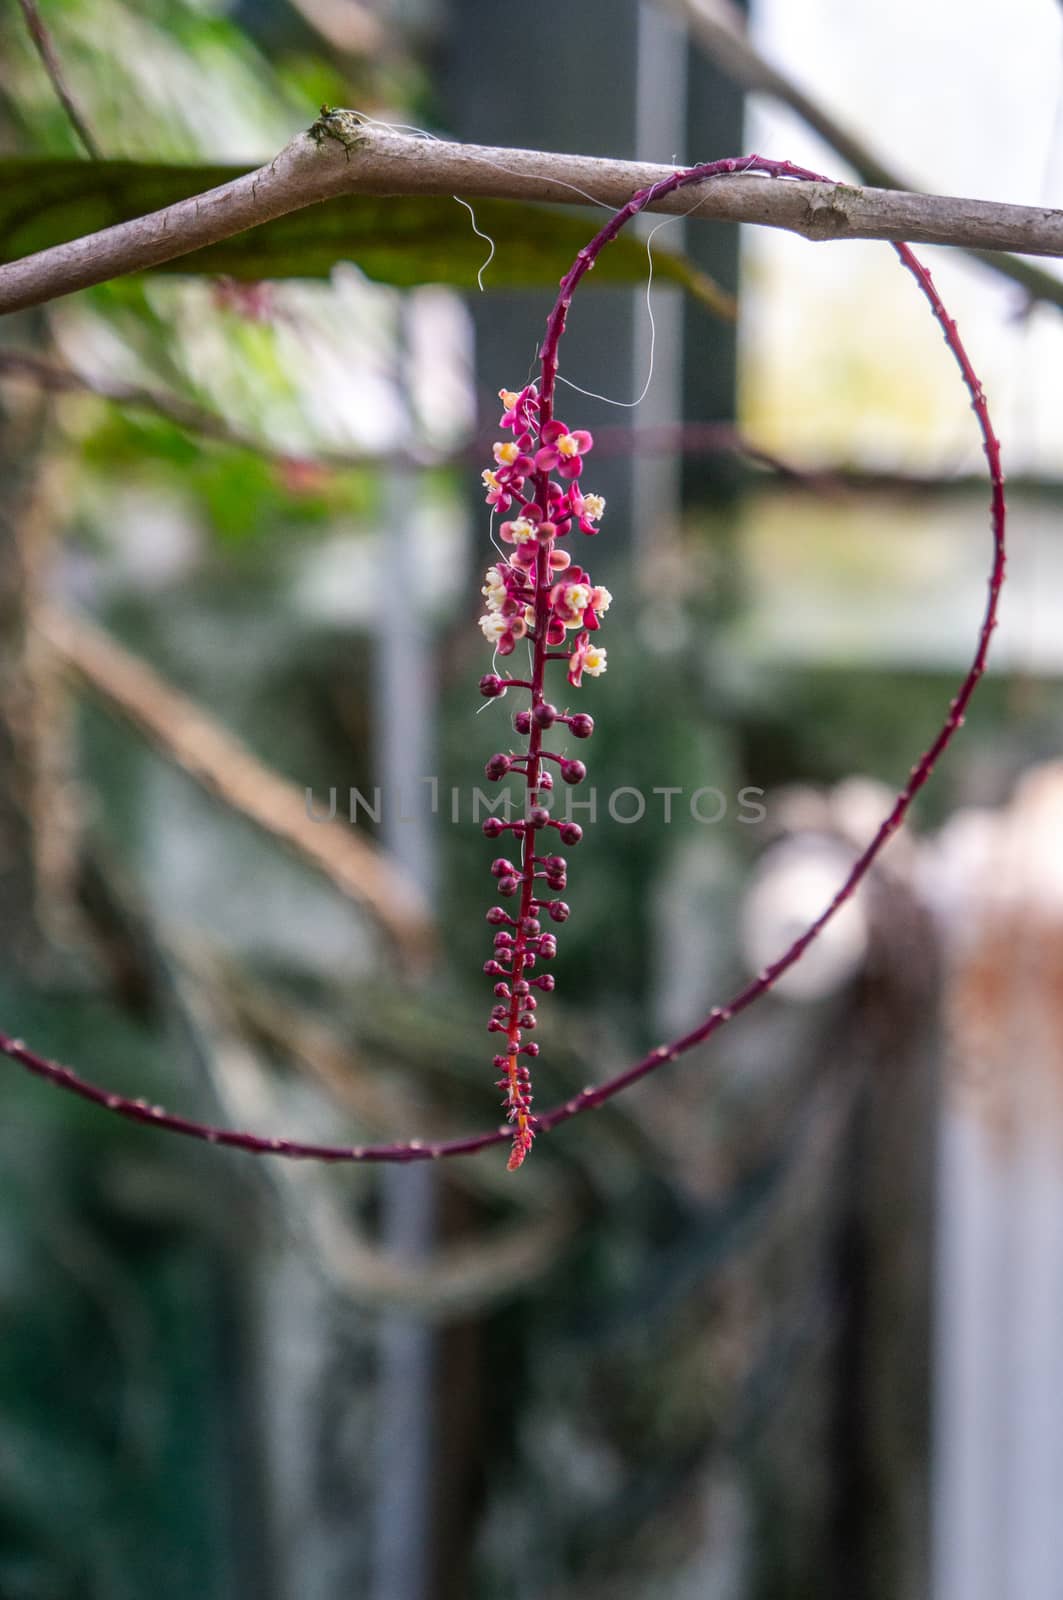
[[319, 165], [188, 735]]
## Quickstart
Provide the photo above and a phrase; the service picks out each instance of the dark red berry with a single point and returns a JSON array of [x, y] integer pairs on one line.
[[497, 914], [538, 817], [572, 771], [581, 725], [570, 833], [501, 868], [509, 884], [544, 715], [491, 686], [559, 911], [522, 722], [498, 766], [493, 827]]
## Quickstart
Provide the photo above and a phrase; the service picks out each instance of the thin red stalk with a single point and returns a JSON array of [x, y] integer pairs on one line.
[[598, 1094], [518, 1096]]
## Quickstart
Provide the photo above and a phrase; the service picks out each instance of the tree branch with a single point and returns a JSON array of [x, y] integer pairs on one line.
[[42, 41], [190, 737], [342, 155], [687, 438]]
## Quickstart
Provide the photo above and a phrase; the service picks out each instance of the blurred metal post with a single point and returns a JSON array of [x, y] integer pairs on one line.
[[403, 693], [998, 1470], [660, 135]]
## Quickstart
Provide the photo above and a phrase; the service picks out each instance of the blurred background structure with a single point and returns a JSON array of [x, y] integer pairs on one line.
[[783, 1321]]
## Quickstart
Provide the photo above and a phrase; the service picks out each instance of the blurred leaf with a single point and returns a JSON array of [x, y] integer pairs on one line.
[[402, 240], [241, 495]]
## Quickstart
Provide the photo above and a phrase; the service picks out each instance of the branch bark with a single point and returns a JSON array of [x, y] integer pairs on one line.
[[344, 155], [42, 43], [216, 760]]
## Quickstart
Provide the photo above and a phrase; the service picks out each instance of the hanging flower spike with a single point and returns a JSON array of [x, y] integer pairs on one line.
[[536, 591], [581, 726]]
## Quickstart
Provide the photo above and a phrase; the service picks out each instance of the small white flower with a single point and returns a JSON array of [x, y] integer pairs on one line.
[[567, 445], [508, 398], [601, 600], [506, 454], [493, 625], [494, 590], [489, 479], [593, 506], [594, 661], [577, 598], [523, 530]]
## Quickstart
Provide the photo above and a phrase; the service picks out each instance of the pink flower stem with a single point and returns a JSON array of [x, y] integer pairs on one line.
[[517, 1093], [597, 1094]]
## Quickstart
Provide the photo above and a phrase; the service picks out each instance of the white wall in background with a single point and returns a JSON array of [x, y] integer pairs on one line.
[[840, 357]]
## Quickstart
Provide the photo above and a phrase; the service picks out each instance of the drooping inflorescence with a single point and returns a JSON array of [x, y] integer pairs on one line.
[[531, 599], [538, 594]]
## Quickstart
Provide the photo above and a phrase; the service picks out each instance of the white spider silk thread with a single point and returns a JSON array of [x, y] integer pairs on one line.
[[630, 405], [408, 127], [627, 405], [480, 234]]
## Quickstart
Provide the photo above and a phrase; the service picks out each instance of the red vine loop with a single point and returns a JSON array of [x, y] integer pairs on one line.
[[538, 593]]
